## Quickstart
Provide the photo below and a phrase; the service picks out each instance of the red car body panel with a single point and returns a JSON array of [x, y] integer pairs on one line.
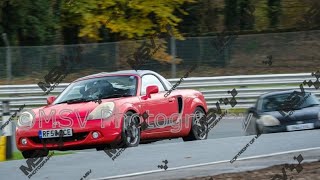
[[109, 131]]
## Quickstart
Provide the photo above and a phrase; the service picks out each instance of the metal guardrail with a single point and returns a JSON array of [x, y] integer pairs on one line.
[[249, 88]]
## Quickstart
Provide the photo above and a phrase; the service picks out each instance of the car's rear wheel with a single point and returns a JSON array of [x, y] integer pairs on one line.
[[35, 153], [130, 130], [199, 128]]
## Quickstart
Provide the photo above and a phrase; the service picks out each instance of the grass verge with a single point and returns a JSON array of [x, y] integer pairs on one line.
[[17, 155]]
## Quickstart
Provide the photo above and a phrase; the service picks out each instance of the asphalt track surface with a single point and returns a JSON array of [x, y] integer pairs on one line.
[[185, 159]]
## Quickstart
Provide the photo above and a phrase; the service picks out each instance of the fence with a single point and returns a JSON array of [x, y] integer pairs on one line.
[[291, 51]]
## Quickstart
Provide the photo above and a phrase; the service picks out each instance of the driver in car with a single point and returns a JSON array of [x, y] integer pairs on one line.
[[99, 89]]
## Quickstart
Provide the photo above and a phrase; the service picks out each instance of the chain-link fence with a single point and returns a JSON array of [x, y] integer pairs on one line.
[[219, 55]]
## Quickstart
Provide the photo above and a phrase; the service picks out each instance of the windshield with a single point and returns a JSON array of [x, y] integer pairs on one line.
[[285, 102], [99, 88]]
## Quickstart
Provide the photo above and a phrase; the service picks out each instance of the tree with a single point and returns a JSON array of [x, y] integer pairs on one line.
[[246, 14], [125, 19], [128, 18], [30, 22], [231, 14], [274, 11]]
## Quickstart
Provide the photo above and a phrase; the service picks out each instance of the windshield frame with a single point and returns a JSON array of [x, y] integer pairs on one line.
[[297, 106], [78, 81]]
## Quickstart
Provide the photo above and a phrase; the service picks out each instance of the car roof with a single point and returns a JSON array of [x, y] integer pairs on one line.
[[123, 72], [167, 85], [280, 92]]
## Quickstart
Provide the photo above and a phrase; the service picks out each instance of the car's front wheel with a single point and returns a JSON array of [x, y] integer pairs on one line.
[[199, 128], [130, 130], [35, 153], [253, 128], [130, 135]]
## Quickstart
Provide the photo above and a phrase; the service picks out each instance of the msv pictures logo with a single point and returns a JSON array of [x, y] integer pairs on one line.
[[297, 167], [58, 73], [269, 61], [295, 99], [35, 163], [146, 51], [180, 81], [211, 119], [116, 149]]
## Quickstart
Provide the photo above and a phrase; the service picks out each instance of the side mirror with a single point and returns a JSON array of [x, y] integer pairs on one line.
[[50, 99], [252, 110], [150, 90]]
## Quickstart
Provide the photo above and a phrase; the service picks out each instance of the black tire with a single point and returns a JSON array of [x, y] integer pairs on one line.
[[35, 153], [131, 132], [148, 141], [100, 148], [253, 129], [260, 129], [131, 121], [199, 127]]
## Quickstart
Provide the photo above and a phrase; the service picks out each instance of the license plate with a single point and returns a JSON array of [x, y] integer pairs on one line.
[[300, 126], [53, 133]]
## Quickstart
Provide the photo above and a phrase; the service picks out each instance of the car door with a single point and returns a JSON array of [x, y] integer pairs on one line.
[[158, 107]]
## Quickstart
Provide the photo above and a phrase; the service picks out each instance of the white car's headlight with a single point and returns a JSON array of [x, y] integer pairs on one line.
[[25, 119], [268, 120], [102, 111]]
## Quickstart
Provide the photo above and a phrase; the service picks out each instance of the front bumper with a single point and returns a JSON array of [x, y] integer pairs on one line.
[[81, 139], [283, 127]]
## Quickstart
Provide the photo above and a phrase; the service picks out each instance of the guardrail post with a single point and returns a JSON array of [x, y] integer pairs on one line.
[[8, 57], [173, 54], [7, 128]]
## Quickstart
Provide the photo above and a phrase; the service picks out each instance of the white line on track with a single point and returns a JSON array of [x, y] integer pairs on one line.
[[204, 164]]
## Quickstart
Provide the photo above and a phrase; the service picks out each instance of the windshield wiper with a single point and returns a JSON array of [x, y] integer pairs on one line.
[[78, 100], [98, 100], [71, 101], [311, 105], [115, 96]]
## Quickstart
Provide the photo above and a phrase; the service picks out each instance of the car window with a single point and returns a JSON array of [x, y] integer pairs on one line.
[[281, 101], [102, 87], [273, 103], [148, 80], [75, 92], [308, 101]]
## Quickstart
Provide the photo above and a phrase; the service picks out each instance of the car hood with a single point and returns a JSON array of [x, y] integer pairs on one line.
[[71, 110], [297, 115]]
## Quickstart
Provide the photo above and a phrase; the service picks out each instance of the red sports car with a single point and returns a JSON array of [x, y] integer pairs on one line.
[[124, 107]]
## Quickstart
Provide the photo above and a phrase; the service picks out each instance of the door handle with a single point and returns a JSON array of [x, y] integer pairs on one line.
[[171, 99]]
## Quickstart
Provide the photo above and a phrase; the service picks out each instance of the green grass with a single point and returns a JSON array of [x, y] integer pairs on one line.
[[17, 155], [237, 110]]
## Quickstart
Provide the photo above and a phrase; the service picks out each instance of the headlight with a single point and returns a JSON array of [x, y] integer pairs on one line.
[[102, 111], [25, 119], [268, 120]]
